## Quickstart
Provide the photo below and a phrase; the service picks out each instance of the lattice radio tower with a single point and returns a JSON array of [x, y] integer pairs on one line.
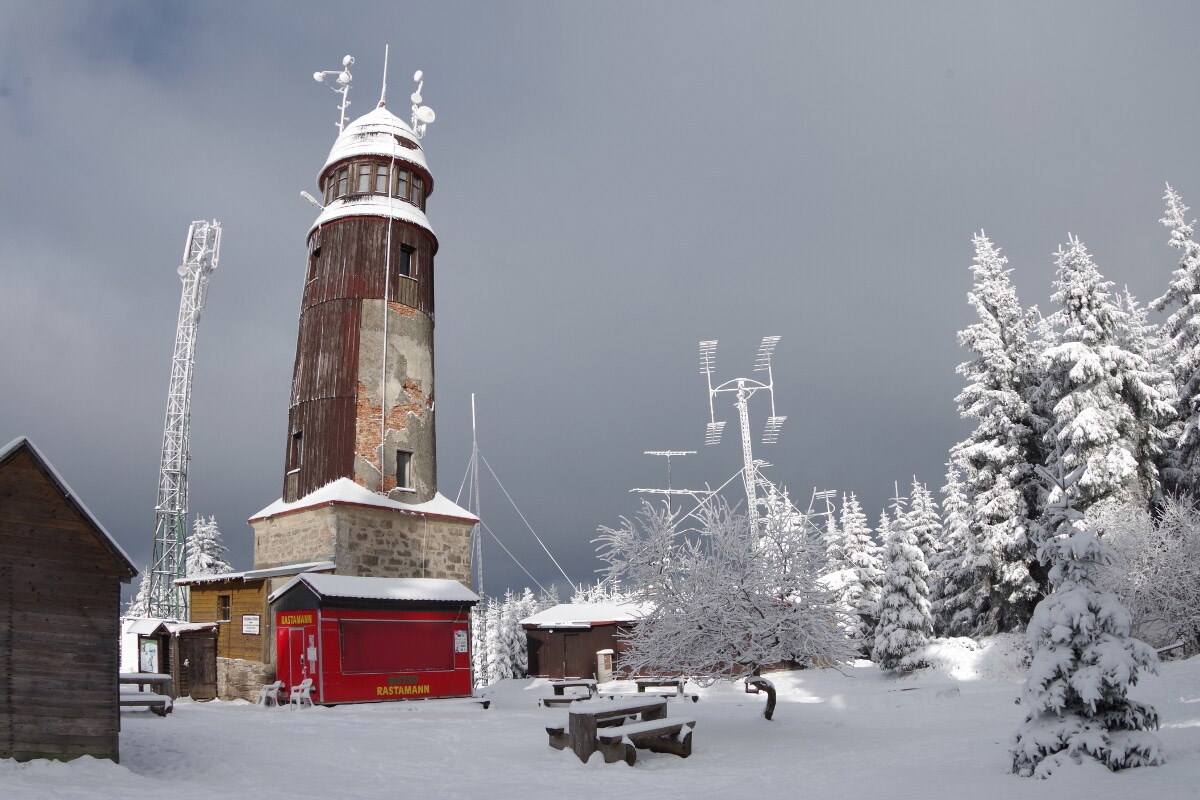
[[165, 600], [744, 389]]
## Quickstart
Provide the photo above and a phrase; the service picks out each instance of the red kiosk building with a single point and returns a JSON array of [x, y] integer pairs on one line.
[[369, 639]]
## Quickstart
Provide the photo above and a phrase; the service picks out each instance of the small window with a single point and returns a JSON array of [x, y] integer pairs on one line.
[[401, 268], [342, 176], [329, 190], [403, 469], [364, 178], [223, 614], [418, 196], [381, 179], [297, 454], [402, 184]]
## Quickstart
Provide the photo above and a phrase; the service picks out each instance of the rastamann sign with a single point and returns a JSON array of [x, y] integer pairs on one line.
[[305, 618], [409, 690]]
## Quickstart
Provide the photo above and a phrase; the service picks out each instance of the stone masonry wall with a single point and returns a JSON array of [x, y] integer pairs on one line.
[[294, 538], [380, 543], [237, 678]]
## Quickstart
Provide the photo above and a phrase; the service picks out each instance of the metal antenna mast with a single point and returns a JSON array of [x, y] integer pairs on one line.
[[343, 86], [669, 454], [744, 389], [165, 599]]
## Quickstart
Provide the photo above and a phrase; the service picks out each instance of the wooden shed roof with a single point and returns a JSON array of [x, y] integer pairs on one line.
[[23, 444]]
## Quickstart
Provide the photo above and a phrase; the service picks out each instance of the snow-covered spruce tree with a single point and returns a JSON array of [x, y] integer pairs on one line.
[[479, 642], [905, 621], [959, 567], [925, 523], [1084, 661], [139, 604], [722, 602], [864, 572], [512, 636], [999, 455], [1182, 330], [499, 665], [1104, 412], [206, 552]]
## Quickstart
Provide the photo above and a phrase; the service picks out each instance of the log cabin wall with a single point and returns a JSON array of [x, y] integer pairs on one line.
[[60, 597]]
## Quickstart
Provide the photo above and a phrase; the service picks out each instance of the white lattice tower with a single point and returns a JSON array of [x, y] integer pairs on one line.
[[165, 600]]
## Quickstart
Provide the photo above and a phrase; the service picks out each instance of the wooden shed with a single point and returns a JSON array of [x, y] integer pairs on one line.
[[60, 611], [186, 651], [564, 640]]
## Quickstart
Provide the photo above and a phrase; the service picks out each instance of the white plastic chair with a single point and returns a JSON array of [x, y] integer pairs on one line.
[[301, 694], [268, 695]]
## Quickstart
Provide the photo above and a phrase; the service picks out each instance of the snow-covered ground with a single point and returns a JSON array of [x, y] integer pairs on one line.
[[941, 733]]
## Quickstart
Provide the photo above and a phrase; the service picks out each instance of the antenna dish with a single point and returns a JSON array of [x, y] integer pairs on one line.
[[343, 77], [425, 115], [347, 61], [319, 77], [418, 75]]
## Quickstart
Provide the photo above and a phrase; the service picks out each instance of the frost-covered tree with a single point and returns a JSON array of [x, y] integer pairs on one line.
[[862, 571], [1084, 661], [499, 660], [139, 604], [723, 602], [1182, 333], [206, 552], [924, 521], [1157, 572], [999, 455], [959, 568], [905, 621], [1106, 411]]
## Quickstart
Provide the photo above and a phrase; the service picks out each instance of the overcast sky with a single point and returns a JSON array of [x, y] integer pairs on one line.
[[614, 182]]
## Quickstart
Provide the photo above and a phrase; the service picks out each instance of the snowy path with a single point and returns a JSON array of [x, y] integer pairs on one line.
[[857, 734]]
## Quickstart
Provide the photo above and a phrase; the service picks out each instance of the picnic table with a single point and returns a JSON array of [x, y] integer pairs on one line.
[[648, 682], [585, 717], [559, 686], [158, 699]]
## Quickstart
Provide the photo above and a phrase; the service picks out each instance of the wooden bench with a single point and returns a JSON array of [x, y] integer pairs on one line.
[[158, 703], [695, 698], [583, 683], [656, 735], [562, 700]]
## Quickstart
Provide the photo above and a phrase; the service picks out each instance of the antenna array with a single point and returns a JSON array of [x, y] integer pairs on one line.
[[342, 87], [165, 600]]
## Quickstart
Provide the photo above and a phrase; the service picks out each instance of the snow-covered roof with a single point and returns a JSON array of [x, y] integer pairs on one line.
[[350, 587], [374, 133], [346, 491], [258, 574], [584, 615], [147, 625], [372, 205], [108, 540]]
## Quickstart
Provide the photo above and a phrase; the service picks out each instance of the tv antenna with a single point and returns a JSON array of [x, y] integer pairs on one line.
[[743, 389], [826, 496], [342, 79], [422, 116], [669, 492]]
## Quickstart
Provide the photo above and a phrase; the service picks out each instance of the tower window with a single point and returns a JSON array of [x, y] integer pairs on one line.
[[312, 263], [381, 179], [402, 184], [297, 454], [364, 178], [342, 176], [403, 469], [401, 268], [418, 194]]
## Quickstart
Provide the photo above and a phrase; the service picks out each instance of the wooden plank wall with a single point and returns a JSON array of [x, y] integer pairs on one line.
[[245, 597], [548, 655], [352, 257], [60, 593]]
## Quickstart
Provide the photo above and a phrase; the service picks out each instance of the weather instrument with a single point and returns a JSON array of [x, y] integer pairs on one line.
[[743, 389], [341, 85]]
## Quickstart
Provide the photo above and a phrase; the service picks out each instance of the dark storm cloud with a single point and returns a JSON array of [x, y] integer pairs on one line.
[[613, 183]]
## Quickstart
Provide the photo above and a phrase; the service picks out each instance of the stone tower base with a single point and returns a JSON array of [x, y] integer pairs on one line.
[[366, 541]]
